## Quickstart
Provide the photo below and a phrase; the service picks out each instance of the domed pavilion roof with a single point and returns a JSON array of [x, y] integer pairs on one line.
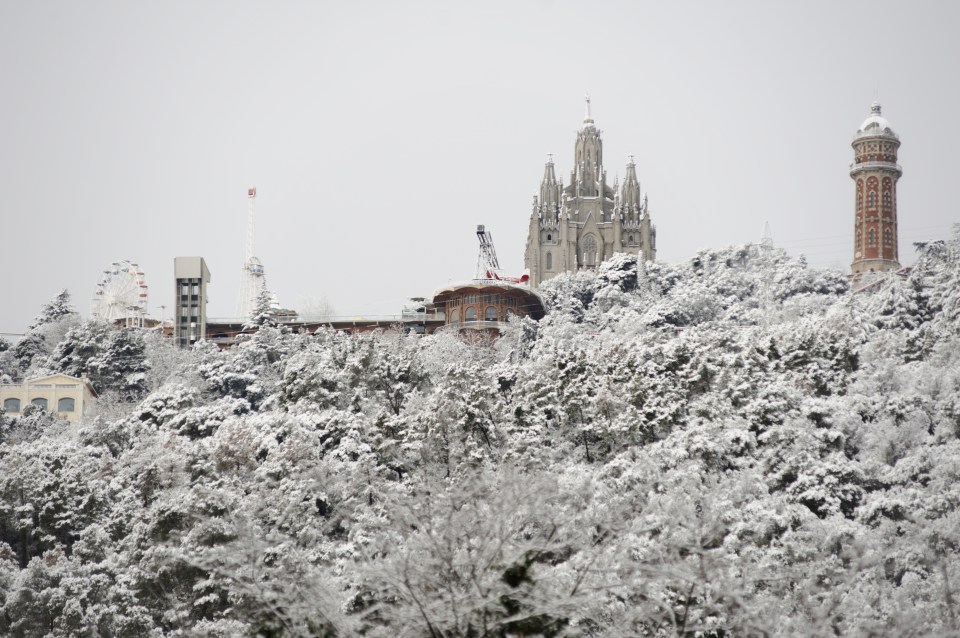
[[876, 124]]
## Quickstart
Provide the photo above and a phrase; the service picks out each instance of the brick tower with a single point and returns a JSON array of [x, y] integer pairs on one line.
[[875, 171]]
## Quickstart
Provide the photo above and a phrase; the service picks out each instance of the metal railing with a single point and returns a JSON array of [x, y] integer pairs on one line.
[[475, 325], [866, 166], [402, 318]]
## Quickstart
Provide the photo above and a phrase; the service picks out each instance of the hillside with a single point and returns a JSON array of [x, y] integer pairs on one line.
[[734, 446]]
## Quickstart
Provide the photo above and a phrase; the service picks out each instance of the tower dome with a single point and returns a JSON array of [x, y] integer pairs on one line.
[[876, 124]]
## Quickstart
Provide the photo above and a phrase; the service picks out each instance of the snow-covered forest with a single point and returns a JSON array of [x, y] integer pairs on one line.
[[733, 446]]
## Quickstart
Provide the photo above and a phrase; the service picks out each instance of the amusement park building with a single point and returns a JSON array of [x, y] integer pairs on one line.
[[486, 304], [191, 278]]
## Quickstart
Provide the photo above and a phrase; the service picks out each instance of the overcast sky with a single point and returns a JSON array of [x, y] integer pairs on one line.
[[379, 134]]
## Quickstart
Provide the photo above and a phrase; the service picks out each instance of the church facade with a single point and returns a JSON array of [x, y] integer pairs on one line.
[[578, 226]]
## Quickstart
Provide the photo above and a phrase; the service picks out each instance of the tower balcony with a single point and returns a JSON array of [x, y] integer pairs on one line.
[[875, 166]]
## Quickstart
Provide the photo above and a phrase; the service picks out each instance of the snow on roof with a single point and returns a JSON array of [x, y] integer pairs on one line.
[[876, 124]]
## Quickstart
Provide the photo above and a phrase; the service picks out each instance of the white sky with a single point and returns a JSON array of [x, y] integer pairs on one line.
[[379, 134]]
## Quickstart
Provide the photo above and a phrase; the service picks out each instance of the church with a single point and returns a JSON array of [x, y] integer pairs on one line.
[[576, 227]]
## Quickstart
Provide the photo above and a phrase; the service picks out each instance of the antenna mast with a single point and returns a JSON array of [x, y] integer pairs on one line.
[[251, 200], [252, 279]]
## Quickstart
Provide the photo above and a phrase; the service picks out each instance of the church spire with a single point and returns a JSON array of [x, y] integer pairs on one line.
[[587, 117], [549, 190], [587, 178], [630, 191]]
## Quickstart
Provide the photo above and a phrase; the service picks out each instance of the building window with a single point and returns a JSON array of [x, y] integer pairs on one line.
[[872, 199], [887, 200], [590, 251], [66, 404], [887, 237], [549, 237], [549, 261], [872, 237], [470, 314], [455, 316], [40, 403], [490, 314], [11, 405]]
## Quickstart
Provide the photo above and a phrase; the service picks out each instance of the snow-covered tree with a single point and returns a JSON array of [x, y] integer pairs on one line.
[[57, 309], [735, 445], [262, 314]]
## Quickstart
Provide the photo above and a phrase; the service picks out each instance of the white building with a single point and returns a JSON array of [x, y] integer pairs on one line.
[[67, 397]]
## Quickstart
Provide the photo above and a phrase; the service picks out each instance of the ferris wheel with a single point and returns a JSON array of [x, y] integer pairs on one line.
[[121, 295]]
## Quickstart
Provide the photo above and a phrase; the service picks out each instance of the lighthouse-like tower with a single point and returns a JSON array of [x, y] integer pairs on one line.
[[875, 172]]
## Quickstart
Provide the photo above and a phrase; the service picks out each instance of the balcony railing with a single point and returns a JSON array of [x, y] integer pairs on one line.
[[476, 325], [866, 166]]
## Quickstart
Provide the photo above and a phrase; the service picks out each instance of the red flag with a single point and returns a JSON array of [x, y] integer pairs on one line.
[[252, 192]]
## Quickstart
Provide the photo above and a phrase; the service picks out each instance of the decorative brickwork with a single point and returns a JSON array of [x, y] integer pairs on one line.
[[875, 172]]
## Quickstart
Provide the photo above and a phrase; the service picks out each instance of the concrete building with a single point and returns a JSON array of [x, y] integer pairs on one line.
[[578, 226], [191, 278], [68, 397], [875, 172]]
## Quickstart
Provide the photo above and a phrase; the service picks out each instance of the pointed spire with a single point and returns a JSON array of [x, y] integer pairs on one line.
[[548, 175], [587, 117], [549, 188], [630, 191]]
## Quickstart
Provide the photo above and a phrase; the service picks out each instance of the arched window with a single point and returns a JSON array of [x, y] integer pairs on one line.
[[859, 239], [470, 314], [40, 403], [549, 261], [455, 316], [887, 237], [66, 404], [549, 237], [630, 239], [590, 251], [11, 405], [490, 314], [887, 200], [872, 199], [872, 237], [859, 200]]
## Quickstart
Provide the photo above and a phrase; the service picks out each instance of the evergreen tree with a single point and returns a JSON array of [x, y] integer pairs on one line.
[[56, 309], [262, 314]]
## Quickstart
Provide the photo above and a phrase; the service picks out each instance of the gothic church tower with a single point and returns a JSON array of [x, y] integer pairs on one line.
[[577, 227], [875, 172]]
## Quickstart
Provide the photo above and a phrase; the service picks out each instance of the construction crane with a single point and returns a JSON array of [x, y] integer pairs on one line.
[[488, 266]]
